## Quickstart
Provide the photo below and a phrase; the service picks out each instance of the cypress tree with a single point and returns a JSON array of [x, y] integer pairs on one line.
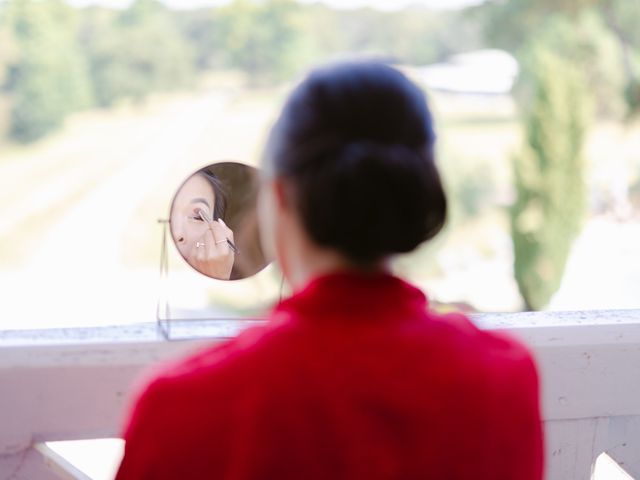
[[549, 174]]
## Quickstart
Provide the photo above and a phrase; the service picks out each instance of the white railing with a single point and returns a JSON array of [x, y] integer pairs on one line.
[[73, 384]]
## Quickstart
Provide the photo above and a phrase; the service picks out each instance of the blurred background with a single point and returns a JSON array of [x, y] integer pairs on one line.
[[107, 106]]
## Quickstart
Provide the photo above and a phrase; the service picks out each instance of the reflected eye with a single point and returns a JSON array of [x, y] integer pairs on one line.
[[197, 216]]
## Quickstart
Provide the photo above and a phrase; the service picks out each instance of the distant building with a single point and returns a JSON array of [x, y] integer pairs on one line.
[[483, 72]]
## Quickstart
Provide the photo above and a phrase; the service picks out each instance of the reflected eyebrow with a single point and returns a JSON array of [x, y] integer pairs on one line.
[[201, 200]]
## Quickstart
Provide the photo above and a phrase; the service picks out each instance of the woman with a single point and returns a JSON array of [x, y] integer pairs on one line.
[[198, 228], [353, 377]]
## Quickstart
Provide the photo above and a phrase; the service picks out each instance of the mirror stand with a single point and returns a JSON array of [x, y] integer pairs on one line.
[[163, 310]]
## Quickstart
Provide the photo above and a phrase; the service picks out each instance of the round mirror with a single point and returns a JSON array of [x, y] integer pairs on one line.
[[214, 222]]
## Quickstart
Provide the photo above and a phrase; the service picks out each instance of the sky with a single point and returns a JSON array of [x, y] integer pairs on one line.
[[345, 4]]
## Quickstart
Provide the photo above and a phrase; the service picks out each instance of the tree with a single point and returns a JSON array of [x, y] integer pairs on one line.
[[513, 24], [8, 57], [426, 35], [8, 49], [623, 18], [137, 52], [261, 38], [549, 174], [49, 78], [201, 29], [270, 40]]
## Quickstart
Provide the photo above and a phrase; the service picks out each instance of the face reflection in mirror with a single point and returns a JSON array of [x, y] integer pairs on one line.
[[214, 222]]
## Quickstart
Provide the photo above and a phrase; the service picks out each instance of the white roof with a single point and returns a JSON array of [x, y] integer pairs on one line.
[[481, 72]]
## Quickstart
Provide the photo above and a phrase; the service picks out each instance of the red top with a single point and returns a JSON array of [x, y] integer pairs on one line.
[[352, 378]]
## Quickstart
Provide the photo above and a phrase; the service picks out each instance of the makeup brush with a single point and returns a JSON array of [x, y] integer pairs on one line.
[[206, 218]]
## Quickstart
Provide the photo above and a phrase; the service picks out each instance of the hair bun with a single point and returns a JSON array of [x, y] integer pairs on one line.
[[362, 156], [355, 140], [373, 199]]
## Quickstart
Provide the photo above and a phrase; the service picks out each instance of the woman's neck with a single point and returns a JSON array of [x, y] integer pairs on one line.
[[309, 261]]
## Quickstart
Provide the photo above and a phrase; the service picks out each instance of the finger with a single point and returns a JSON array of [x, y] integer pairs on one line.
[[210, 248], [219, 261], [220, 234], [228, 231], [215, 232]]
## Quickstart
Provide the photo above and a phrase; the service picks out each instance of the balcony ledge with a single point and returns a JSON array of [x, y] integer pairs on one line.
[[69, 384]]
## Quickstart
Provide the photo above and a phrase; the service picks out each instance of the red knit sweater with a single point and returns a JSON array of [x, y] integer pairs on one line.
[[352, 378]]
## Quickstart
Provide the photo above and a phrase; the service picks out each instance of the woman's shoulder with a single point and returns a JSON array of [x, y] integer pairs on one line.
[[228, 358], [220, 354], [225, 370], [500, 352]]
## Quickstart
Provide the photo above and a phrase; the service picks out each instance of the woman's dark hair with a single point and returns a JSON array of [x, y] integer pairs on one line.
[[219, 192], [356, 141]]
